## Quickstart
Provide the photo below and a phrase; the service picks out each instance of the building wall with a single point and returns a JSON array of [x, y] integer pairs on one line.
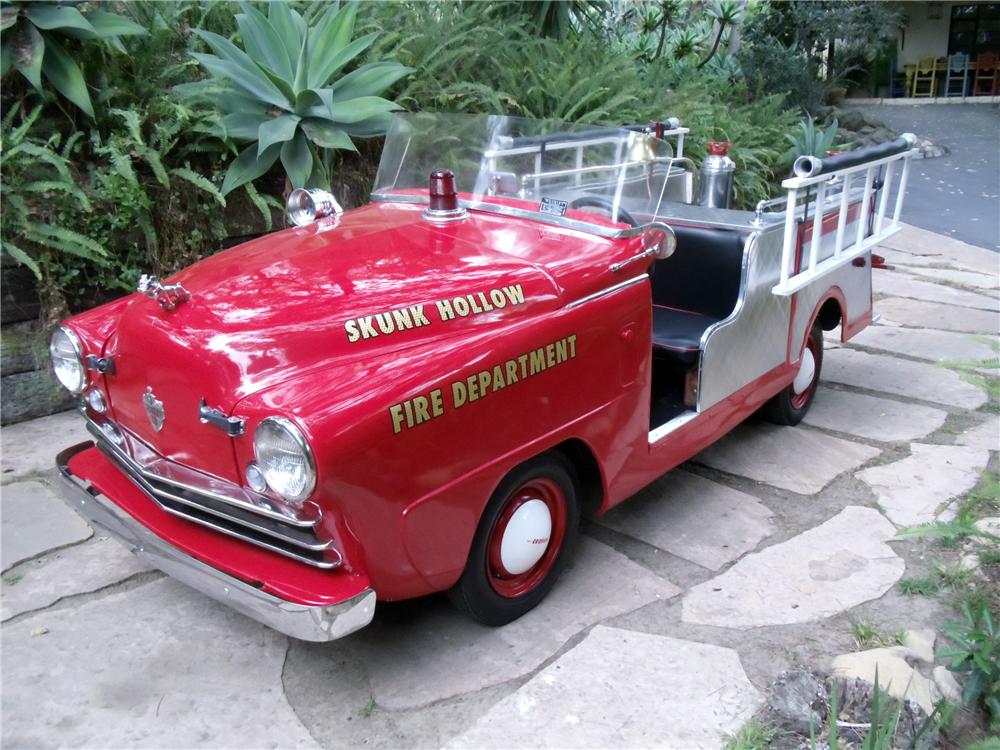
[[923, 36]]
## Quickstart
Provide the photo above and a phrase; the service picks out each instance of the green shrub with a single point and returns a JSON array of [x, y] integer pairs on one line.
[[33, 39], [717, 109], [38, 178], [137, 182], [976, 655], [465, 63]]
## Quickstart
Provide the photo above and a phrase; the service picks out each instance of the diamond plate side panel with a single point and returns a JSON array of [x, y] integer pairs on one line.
[[754, 339], [853, 282]]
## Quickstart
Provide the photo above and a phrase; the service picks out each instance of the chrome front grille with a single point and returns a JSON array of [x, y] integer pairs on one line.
[[218, 505]]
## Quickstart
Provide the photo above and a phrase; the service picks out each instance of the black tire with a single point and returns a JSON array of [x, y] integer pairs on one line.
[[477, 592], [788, 408]]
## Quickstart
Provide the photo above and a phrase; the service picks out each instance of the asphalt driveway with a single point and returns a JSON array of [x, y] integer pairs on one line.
[[959, 194]]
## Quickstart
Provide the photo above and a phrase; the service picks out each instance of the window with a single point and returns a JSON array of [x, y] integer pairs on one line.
[[974, 28]]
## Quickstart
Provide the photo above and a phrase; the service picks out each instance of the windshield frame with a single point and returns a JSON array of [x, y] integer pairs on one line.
[[480, 202]]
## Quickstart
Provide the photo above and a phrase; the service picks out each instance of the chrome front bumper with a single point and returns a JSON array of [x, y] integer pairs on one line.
[[308, 623]]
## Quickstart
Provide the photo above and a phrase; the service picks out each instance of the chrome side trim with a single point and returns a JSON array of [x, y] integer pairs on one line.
[[606, 292], [305, 622], [670, 427], [152, 466], [523, 213]]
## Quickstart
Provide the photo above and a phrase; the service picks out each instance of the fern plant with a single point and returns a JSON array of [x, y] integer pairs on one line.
[[38, 176]]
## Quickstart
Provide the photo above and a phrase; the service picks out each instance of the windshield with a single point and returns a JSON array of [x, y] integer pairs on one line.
[[596, 178]]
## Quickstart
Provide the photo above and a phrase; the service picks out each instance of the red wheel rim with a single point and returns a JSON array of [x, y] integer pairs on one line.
[[509, 585], [799, 400]]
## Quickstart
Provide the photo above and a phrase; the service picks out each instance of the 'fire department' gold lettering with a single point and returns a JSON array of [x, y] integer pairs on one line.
[[419, 409]]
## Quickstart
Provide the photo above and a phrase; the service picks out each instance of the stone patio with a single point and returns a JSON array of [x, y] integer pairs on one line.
[[680, 607]]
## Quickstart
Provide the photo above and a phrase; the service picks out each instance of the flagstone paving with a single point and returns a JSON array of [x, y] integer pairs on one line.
[[964, 278], [898, 284], [935, 249], [79, 569], [984, 435], [28, 447], [156, 666], [438, 653], [694, 518], [912, 312], [935, 346], [677, 694], [872, 417], [792, 458], [918, 489], [828, 569], [914, 380], [33, 520], [678, 610]]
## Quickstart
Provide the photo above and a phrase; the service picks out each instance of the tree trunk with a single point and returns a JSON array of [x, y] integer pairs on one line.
[[734, 33]]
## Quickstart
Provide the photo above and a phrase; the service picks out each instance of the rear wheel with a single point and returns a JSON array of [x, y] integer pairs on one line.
[[522, 543], [791, 405]]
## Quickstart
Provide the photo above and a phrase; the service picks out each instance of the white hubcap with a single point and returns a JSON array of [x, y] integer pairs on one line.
[[526, 537], [806, 373]]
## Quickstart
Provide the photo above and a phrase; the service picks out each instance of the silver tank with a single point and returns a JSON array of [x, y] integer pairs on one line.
[[717, 172]]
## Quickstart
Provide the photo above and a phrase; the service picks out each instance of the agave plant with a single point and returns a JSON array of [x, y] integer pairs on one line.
[[281, 94], [31, 43], [811, 141]]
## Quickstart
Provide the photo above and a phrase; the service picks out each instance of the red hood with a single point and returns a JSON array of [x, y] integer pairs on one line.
[[305, 298]]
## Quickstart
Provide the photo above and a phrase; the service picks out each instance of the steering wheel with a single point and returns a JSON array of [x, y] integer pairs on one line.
[[592, 201]]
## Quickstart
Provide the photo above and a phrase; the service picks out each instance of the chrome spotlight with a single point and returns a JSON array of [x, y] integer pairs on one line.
[[305, 206]]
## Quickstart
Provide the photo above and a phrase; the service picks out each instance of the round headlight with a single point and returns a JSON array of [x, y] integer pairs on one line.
[[67, 360], [284, 458]]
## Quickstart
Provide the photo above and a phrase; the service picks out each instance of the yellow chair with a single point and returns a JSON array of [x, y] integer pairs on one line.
[[925, 76]]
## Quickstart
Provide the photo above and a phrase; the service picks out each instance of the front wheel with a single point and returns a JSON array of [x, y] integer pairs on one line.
[[522, 543], [791, 405]]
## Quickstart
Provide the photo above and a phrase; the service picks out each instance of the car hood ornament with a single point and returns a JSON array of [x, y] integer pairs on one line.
[[154, 409], [168, 295]]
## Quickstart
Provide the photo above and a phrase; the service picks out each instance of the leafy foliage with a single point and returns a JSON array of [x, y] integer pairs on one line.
[[37, 177], [555, 18], [278, 92], [754, 735], [810, 140], [299, 86], [868, 636], [33, 40], [139, 180], [721, 109], [464, 63], [807, 48], [977, 656]]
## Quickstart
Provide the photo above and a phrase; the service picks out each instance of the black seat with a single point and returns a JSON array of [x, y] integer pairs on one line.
[[695, 287], [677, 333]]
